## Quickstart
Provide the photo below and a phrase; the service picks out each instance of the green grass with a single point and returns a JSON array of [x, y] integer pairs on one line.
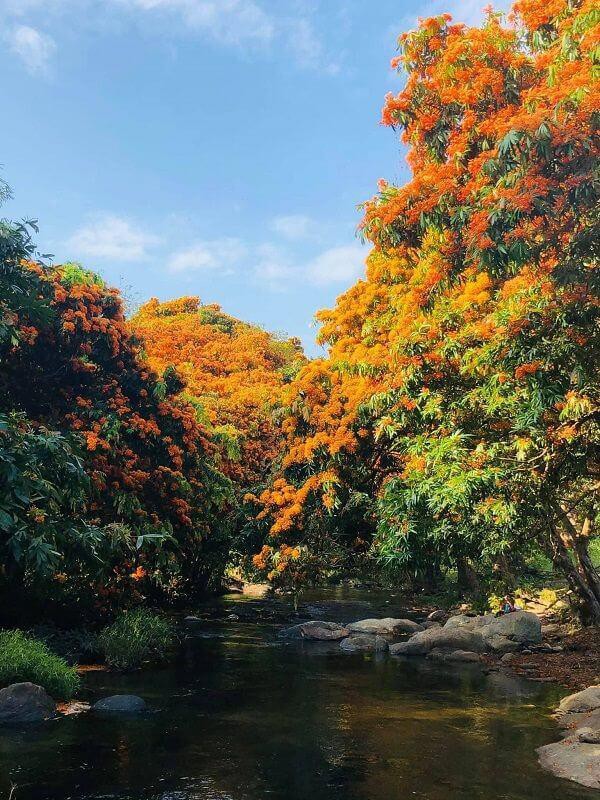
[[25, 659], [136, 636]]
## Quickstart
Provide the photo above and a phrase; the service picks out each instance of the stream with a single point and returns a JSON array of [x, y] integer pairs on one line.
[[243, 715]]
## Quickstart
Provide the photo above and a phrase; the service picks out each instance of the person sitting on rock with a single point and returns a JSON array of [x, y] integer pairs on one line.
[[508, 605]]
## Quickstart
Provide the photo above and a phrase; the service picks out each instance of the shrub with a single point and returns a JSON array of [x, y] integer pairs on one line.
[[136, 636], [23, 658]]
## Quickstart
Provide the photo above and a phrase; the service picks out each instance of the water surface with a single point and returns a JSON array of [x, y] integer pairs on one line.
[[244, 716]]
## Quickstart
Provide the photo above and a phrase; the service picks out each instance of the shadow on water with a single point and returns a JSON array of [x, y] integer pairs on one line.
[[244, 716]]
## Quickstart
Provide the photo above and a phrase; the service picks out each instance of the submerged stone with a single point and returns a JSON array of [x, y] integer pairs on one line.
[[364, 643], [120, 704], [316, 631]]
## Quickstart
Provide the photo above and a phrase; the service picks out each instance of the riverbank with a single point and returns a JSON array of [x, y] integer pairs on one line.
[[576, 665]]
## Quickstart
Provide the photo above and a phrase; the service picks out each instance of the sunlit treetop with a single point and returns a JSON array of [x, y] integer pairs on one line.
[[232, 371], [479, 307]]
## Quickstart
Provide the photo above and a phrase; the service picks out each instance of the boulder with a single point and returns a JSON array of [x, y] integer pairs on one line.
[[580, 702], [590, 737], [471, 622], [442, 639], [453, 656], [577, 756], [431, 624], [120, 704], [385, 627], [464, 657], [500, 644], [437, 616], [573, 759], [364, 643], [521, 627], [316, 631], [25, 703]]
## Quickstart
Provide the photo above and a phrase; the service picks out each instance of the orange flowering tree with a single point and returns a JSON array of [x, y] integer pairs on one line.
[[232, 371], [234, 374], [459, 404], [69, 362]]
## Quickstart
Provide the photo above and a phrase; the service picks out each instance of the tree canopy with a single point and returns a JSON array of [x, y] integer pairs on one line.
[[458, 404]]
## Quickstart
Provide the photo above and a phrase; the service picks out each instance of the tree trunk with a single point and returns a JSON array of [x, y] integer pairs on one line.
[[569, 552], [467, 577]]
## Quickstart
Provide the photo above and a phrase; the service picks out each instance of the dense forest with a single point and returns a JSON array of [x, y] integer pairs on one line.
[[451, 432]]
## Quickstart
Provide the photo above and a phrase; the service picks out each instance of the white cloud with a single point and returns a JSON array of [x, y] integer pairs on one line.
[[111, 237], [274, 268], [229, 21], [222, 254], [35, 49], [244, 24], [337, 265], [307, 46], [293, 226]]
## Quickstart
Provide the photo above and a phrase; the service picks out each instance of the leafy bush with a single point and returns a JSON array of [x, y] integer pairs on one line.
[[136, 636], [25, 659]]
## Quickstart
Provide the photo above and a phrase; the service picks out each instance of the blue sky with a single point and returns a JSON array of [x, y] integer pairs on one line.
[[209, 147]]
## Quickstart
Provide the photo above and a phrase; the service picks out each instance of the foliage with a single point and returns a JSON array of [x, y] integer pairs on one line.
[[232, 371], [25, 659], [134, 637], [99, 442], [460, 392], [233, 374]]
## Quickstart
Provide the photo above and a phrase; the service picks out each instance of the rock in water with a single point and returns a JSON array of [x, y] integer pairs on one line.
[[593, 737], [385, 627], [442, 639], [577, 756], [364, 643], [475, 634], [580, 702], [120, 704], [464, 657], [316, 631], [24, 703]]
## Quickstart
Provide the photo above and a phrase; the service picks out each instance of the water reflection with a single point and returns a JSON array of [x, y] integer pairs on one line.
[[244, 716]]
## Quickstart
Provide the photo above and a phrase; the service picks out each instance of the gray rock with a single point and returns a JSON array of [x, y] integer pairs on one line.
[[500, 644], [590, 737], [463, 656], [120, 704], [364, 643], [465, 621], [441, 638], [507, 658], [316, 631], [521, 627], [585, 701], [431, 624], [385, 627], [437, 616], [577, 756], [573, 760], [453, 656], [25, 703]]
